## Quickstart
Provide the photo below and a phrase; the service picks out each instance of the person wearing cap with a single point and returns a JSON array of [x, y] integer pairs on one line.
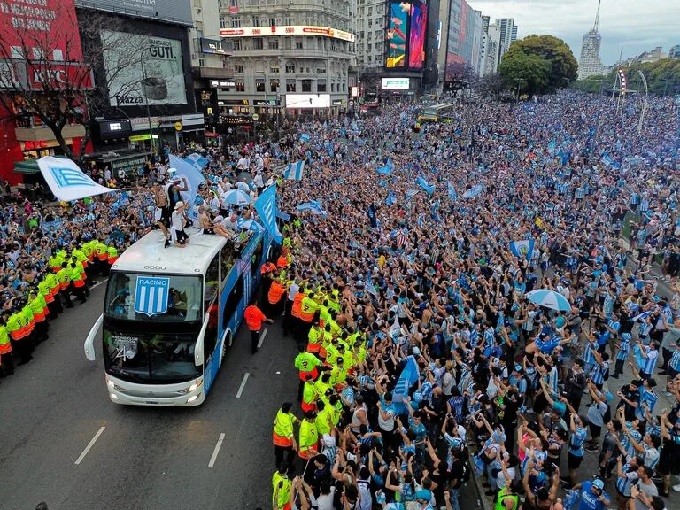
[[177, 226], [592, 495]]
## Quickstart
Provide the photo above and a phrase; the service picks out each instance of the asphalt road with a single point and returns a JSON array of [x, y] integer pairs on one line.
[[143, 458]]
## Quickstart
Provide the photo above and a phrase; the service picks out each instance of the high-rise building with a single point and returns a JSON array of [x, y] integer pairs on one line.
[[674, 52], [508, 33], [491, 50], [290, 55], [462, 41], [370, 35], [590, 64]]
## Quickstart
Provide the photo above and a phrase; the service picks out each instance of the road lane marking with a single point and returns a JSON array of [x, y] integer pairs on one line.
[[98, 284], [243, 384], [264, 334], [89, 446], [216, 451]]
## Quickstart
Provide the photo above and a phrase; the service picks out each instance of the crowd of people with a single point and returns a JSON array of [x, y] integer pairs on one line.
[[408, 299], [411, 253]]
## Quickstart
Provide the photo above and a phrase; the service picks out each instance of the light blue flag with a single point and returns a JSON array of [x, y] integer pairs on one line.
[[410, 193], [197, 161], [522, 249], [313, 206], [370, 287], [453, 195], [610, 162], [426, 186], [384, 170], [409, 375], [194, 179], [304, 137], [294, 171], [265, 205], [391, 199], [474, 191], [552, 145]]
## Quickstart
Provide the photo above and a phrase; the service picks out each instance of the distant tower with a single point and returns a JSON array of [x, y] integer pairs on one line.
[[589, 64]]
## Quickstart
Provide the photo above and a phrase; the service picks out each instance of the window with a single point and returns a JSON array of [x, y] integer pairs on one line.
[[306, 85], [370, 23], [233, 301], [259, 85], [274, 70], [369, 47], [258, 43], [236, 22], [256, 21], [238, 69], [224, 23], [238, 45], [273, 85], [320, 70], [288, 21], [321, 86], [273, 43], [290, 86], [272, 22], [299, 45], [290, 68], [212, 280], [240, 86], [332, 87], [370, 11]]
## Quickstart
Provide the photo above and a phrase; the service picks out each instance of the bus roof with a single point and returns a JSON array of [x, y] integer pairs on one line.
[[149, 255]]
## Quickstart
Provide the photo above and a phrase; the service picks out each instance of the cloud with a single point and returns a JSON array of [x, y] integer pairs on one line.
[[631, 24]]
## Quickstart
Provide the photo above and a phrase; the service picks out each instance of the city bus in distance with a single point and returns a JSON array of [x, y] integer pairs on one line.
[[435, 113], [170, 314]]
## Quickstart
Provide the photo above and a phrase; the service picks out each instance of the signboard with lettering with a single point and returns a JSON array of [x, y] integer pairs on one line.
[[174, 11], [331, 32], [155, 76]]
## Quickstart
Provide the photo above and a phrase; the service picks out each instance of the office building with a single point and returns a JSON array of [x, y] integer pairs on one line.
[[590, 64], [287, 56]]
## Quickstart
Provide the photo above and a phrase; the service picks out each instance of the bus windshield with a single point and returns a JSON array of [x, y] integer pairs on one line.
[[150, 357], [154, 297]]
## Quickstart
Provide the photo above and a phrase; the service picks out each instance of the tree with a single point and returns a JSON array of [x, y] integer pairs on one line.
[[555, 51], [663, 78], [54, 73], [490, 85], [525, 72], [459, 75]]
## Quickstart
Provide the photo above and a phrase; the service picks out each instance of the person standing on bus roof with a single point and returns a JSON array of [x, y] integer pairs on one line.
[[254, 319]]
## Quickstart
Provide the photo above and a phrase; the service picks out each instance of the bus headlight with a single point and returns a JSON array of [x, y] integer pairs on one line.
[[113, 396], [191, 399], [196, 385]]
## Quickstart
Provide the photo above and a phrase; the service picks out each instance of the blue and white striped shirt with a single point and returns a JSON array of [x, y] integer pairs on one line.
[[624, 482], [624, 349], [598, 372], [674, 363]]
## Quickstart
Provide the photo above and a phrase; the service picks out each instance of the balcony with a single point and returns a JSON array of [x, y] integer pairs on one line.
[[42, 133]]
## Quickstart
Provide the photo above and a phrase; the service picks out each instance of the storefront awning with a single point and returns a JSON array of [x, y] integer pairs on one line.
[[28, 166]]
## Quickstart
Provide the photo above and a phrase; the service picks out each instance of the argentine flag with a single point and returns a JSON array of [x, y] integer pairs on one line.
[[523, 248], [409, 375], [426, 186], [294, 171], [453, 194]]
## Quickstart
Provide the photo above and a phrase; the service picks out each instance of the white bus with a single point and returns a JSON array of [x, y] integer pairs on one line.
[[169, 315]]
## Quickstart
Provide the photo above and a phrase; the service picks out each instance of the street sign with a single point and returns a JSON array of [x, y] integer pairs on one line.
[[178, 126], [256, 117]]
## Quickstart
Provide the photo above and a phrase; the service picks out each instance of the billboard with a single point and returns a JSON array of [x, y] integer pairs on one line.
[[40, 30], [174, 11], [406, 34], [308, 100], [464, 39], [395, 83], [141, 68], [331, 32]]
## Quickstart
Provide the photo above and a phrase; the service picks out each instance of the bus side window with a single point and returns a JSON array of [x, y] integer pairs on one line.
[[212, 280], [211, 331], [255, 260], [233, 300], [227, 258]]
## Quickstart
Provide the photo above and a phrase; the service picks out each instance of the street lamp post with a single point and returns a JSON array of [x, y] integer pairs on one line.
[[146, 101]]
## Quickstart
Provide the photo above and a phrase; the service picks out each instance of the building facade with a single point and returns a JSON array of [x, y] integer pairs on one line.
[[590, 64], [463, 48], [287, 57]]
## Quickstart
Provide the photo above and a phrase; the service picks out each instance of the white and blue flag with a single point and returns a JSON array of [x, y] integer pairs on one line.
[[453, 194], [194, 178], [425, 186], [197, 161], [522, 249], [294, 171], [409, 375], [265, 206], [67, 181], [152, 295]]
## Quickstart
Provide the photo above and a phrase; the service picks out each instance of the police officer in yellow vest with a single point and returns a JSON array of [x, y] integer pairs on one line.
[[6, 361], [64, 278], [38, 306], [281, 488], [52, 284], [77, 284], [284, 435]]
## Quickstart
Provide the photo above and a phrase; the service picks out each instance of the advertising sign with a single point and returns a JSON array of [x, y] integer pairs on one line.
[[175, 11], [39, 29], [406, 35], [152, 70], [308, 101], [395, 83], [331, 32]]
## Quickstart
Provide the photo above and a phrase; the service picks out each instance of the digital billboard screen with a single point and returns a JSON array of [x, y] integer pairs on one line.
[[406, 35]]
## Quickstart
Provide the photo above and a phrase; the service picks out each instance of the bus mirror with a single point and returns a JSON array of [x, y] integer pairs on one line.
[[89, 341], [199, 352]]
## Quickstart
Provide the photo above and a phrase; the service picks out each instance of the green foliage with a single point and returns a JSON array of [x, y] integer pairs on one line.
[[549, 49], [663, 78], [530, 73]]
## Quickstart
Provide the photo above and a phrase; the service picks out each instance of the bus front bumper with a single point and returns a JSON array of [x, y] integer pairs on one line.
[[162, 395]]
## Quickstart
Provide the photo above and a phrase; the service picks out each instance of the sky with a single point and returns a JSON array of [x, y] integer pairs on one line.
[[633, 26]]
